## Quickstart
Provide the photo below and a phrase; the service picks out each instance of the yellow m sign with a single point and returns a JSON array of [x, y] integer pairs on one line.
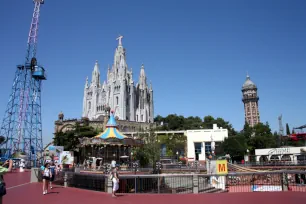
[[221, 167]]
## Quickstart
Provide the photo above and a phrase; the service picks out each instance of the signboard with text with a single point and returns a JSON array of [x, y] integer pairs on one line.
[[221, 167]]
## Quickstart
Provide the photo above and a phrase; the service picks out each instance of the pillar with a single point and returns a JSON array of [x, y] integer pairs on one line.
[[195, 182]]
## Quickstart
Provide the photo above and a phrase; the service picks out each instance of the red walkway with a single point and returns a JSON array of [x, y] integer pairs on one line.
[[32, 194]]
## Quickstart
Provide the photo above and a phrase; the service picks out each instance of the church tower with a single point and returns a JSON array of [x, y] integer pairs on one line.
[[250, 100]]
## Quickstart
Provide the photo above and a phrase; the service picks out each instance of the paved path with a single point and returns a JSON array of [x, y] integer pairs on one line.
[[32, 194], [15, 178]]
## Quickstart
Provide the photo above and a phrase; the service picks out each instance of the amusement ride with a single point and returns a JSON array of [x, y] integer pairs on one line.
[[22, 125]]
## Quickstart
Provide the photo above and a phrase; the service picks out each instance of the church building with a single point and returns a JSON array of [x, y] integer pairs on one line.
[[129, 101]]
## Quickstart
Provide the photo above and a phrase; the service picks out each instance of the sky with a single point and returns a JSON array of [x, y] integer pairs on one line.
[[196, 53]]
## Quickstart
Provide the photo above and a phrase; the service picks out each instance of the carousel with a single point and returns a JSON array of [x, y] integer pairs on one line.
[[110, 146]]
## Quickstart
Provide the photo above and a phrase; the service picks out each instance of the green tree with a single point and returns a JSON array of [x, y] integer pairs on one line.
[[262, 138], [70, 138], [191, 123], [209, 121], [148, 153], [236, 146], [158, 119], [287, 129], [173, 143], [247, 131]]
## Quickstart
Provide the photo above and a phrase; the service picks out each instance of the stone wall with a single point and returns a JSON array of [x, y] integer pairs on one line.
[[123, 125]]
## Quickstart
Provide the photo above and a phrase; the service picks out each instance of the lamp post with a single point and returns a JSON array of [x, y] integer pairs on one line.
[[158, 166], [177, 155], [180, 165], [196, 164], [248, 156], [135, 167], [106, 168]]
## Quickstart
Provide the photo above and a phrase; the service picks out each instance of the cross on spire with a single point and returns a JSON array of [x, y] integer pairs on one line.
[[119, 40]]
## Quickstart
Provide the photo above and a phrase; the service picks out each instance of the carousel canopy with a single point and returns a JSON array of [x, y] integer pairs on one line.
[[111, 131]]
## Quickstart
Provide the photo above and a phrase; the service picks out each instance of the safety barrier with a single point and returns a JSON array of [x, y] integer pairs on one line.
[[189, 183]]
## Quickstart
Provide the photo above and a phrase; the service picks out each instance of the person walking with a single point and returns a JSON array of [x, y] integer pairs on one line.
[[6, 167], [115, 179], [46, 178], [52, 169]]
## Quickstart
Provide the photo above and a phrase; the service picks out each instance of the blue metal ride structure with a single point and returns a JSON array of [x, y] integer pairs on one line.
[[22, 124]]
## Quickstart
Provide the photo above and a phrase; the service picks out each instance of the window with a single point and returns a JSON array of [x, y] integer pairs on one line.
[[117, 99], [141, 117], [207, 147], [198, 147], [89, 105], [137, 118]]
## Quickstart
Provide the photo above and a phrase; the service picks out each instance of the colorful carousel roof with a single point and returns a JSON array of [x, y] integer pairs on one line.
[[111, 131]]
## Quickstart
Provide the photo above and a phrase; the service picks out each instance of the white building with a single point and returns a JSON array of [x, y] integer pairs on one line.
[[129, 101], [281, 154], [201, 143]]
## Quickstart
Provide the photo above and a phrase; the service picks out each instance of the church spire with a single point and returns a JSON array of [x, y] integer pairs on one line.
[[142, 77], [86, 83], [96, 74]]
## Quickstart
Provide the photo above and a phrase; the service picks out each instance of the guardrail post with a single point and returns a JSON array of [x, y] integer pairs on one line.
[[109, 185], [135, 185], [77, 169], [195, 184], [158, 184], [284, 181], [65, 180], [34, 175]]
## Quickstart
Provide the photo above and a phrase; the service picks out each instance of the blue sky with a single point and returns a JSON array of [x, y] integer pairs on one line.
[[196, 53]]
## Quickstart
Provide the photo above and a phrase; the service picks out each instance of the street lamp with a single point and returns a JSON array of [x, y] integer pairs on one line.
[[106, 168], [158, 166], [135, 166], [196, 164], [180, 165], [177, 155]]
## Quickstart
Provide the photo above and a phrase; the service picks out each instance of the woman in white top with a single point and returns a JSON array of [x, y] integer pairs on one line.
[[47, 174]]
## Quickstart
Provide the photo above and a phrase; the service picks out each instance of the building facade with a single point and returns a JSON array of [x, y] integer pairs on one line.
[[292, 154], [250, 100], [129, 101], [204, 142]]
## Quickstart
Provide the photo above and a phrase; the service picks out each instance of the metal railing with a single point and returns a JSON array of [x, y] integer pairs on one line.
[[273, 163], [189, 183], [161, 183]]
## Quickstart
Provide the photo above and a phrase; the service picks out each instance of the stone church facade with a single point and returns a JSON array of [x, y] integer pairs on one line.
[[132, 103], [129, 101]]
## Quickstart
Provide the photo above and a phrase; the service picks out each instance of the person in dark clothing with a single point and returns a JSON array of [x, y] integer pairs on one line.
[[52, 169]]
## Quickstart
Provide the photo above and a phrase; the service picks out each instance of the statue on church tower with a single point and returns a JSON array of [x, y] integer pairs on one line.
[[120, 40]]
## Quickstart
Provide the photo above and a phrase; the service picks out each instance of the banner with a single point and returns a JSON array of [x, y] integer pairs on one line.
[[66, 157], [53, 153]]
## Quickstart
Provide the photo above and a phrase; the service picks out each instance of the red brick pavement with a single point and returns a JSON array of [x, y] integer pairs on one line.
[[16, 178], [32, 194]]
